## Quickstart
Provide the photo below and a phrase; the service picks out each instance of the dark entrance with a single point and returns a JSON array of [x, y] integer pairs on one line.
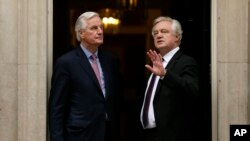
[[194, 16]]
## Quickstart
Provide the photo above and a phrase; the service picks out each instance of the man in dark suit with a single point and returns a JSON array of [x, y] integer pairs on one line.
[[168, 109], [85, 86]]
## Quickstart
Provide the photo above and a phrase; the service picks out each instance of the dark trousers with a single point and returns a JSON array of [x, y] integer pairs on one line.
[[151, 135]]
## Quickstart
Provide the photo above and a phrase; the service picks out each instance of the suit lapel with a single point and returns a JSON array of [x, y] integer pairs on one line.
[[174, 60], [105, 69], [170, 65], [86, 66]]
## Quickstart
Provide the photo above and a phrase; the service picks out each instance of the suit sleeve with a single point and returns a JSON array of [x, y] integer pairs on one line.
[[184, 77], [58, 100]]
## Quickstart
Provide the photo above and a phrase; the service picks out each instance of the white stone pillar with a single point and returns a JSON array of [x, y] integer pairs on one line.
[[8, 70], [25, 52], [230, 26]]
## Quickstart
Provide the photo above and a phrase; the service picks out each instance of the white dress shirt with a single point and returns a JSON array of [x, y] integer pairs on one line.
[[88, 54], [151, 116]]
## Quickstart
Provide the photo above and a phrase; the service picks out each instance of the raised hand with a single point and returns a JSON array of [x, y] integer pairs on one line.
[[157, 66]]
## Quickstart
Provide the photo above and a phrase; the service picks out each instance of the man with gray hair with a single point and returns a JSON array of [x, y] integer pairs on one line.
[[85, 87], [167, 112]]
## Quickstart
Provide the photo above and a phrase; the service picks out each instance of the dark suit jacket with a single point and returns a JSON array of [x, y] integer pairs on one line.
[[78, 110], [174, 102]]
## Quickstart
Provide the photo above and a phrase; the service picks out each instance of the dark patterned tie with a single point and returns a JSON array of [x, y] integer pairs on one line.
[[147, 101]]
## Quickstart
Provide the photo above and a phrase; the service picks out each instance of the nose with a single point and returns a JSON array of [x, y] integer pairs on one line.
[[99, 30], [159, 35]]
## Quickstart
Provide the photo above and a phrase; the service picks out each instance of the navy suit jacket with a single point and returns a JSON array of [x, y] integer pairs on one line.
[[78, 110]]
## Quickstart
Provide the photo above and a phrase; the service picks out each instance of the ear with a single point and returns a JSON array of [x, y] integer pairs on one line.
[[82, 34], [177, 37]]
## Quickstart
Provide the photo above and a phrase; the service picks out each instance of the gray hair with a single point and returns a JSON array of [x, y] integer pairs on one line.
[[81, 22], [176, 26]]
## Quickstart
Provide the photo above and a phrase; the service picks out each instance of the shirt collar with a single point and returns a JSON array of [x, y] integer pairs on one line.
[[170, 54], [87, 52]]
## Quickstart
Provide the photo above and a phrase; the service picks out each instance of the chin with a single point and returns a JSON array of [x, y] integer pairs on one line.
[[99, 43], [160, 46]]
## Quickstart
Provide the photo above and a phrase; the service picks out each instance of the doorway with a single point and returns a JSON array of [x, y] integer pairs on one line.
[[194, 16]]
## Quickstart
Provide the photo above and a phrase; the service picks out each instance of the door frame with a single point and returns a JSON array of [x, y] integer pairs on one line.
[[214, 95], [213, 67]]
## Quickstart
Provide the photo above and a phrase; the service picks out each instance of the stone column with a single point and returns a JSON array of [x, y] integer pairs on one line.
[[230, 26], [8, 70], [25, 52]]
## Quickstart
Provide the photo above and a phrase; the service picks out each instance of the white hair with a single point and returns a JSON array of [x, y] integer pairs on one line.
[[81, 22], [176, 26]]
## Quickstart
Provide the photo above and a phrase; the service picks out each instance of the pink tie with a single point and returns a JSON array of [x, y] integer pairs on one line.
[[95, 67]]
